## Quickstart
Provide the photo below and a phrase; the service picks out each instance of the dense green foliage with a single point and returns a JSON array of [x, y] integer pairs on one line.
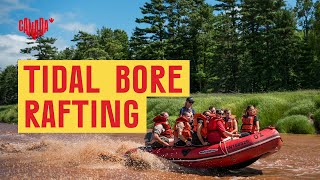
[[106, 44], [234, 46], [9, 85], [271, 106], [243, 46], [43, 47]]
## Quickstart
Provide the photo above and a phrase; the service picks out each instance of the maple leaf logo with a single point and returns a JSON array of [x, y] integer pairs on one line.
[[35, 28]]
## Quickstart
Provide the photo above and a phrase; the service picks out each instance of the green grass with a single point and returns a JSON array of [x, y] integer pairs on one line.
[[297, 124], [271, 106], [302, 107], [280, 109], [9, 114]]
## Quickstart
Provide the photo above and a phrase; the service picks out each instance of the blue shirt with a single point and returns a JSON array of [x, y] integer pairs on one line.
[[184, 109]]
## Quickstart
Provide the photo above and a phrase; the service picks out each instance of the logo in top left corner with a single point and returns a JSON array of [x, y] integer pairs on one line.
[[36, 28]]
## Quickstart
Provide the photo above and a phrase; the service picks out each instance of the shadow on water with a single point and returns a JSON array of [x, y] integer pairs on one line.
[[244, 172], [221, 172]]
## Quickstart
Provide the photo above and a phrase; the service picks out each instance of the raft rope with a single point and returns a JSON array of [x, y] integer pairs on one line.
[[225, 147]]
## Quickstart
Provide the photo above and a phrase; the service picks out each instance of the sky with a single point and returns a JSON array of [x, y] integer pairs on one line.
[[69, 16]]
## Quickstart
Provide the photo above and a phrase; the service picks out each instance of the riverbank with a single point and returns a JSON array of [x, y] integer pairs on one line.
[[290, 112], [279, 109]]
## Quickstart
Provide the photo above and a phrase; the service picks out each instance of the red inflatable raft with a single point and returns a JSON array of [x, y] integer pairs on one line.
[[233, 154]]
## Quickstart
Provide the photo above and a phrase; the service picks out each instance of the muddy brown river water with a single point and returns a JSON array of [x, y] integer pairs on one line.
[[100, 156]]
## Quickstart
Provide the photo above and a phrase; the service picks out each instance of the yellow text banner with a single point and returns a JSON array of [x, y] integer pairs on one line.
[[94, 96]]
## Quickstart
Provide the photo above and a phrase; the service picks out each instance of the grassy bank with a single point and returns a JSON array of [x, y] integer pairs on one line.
[[288, 111], [9, 114]]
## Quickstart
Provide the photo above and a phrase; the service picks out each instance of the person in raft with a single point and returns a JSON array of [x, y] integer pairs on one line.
[[212, 110], [216, 129], [182, 130], [250, 121], [230, 122], [187, 107], [200, 123], [162, 134]]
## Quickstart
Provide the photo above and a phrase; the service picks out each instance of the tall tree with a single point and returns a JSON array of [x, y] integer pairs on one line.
[[316, 29], [304, 10], [190, 36], [139, 46], [114, 43], [106, 44], [43, 46], [285, 51], [228, 50], [67, 53], [177, 29], [88, 46], [178, 17], [154, 34], [315, 45], [258, 24], [202, 47]]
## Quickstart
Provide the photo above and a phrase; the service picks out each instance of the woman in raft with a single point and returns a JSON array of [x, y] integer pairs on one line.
[[250, 121]]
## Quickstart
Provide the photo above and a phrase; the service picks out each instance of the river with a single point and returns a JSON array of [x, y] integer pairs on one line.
[[99, 156]]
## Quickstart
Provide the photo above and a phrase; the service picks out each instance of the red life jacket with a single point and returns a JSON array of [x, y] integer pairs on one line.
[[230, 123], [163, 121], [248, 124], [212, 125], [204, 132], [186, 130]]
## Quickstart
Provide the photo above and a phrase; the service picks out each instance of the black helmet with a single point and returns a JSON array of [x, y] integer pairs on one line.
[[190, 100]]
